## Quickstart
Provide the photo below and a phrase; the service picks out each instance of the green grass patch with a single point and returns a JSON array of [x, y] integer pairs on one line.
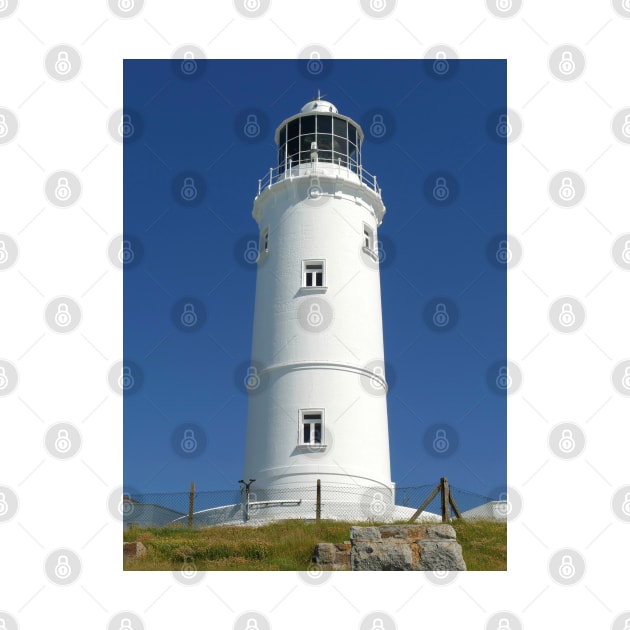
[[287, 546]]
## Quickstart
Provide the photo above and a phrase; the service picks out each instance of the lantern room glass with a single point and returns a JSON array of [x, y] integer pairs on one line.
[[337, 139]]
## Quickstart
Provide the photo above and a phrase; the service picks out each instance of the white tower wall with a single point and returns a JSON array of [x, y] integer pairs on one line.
[[337, 368]]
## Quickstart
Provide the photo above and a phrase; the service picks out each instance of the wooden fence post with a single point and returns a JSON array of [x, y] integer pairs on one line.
[[428, 500], [318, 504], [446, 507], [191, 504]]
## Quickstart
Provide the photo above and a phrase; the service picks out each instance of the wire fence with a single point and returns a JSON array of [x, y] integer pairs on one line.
[[311, 503]]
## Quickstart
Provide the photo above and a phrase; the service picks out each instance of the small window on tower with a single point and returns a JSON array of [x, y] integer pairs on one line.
[[311, 428], [368, 240], [264, 241], [313, 274]]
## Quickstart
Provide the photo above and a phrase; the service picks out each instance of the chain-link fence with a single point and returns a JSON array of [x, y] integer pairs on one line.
[[339, 502]]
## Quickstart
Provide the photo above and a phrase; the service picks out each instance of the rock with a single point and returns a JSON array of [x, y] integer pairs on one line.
[[395, 548], [332, 556], [364, 533], [133, 549], [441, 556], [381, 555]]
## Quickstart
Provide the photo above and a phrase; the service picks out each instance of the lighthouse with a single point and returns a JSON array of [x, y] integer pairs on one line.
[[317, 387]]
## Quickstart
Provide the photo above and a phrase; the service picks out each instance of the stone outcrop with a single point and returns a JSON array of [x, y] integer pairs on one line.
[[333, 556], [133, 550], [394, 548]]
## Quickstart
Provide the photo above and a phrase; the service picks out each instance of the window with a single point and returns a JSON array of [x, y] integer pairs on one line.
[[264, 241], [313, 273], [368, 237], [311, 429]]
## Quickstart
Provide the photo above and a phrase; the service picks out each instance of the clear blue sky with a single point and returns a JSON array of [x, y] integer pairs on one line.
[[192, 252]]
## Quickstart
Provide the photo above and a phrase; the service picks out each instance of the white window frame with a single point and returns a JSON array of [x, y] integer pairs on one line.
[[303, 420], [306, 271], [370, 233]]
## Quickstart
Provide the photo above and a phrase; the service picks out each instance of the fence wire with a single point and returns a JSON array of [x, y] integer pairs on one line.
[[337, 502]]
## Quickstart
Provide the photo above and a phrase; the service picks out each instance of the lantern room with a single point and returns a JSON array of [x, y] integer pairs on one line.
[[319, 134]]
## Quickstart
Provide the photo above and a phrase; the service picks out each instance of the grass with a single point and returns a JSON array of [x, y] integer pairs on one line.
[[286, 546]]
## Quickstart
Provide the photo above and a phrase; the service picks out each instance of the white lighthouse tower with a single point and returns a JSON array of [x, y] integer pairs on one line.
[[317, 386]]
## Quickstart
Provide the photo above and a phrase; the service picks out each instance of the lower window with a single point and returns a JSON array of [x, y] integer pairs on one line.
[[311, 428]]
